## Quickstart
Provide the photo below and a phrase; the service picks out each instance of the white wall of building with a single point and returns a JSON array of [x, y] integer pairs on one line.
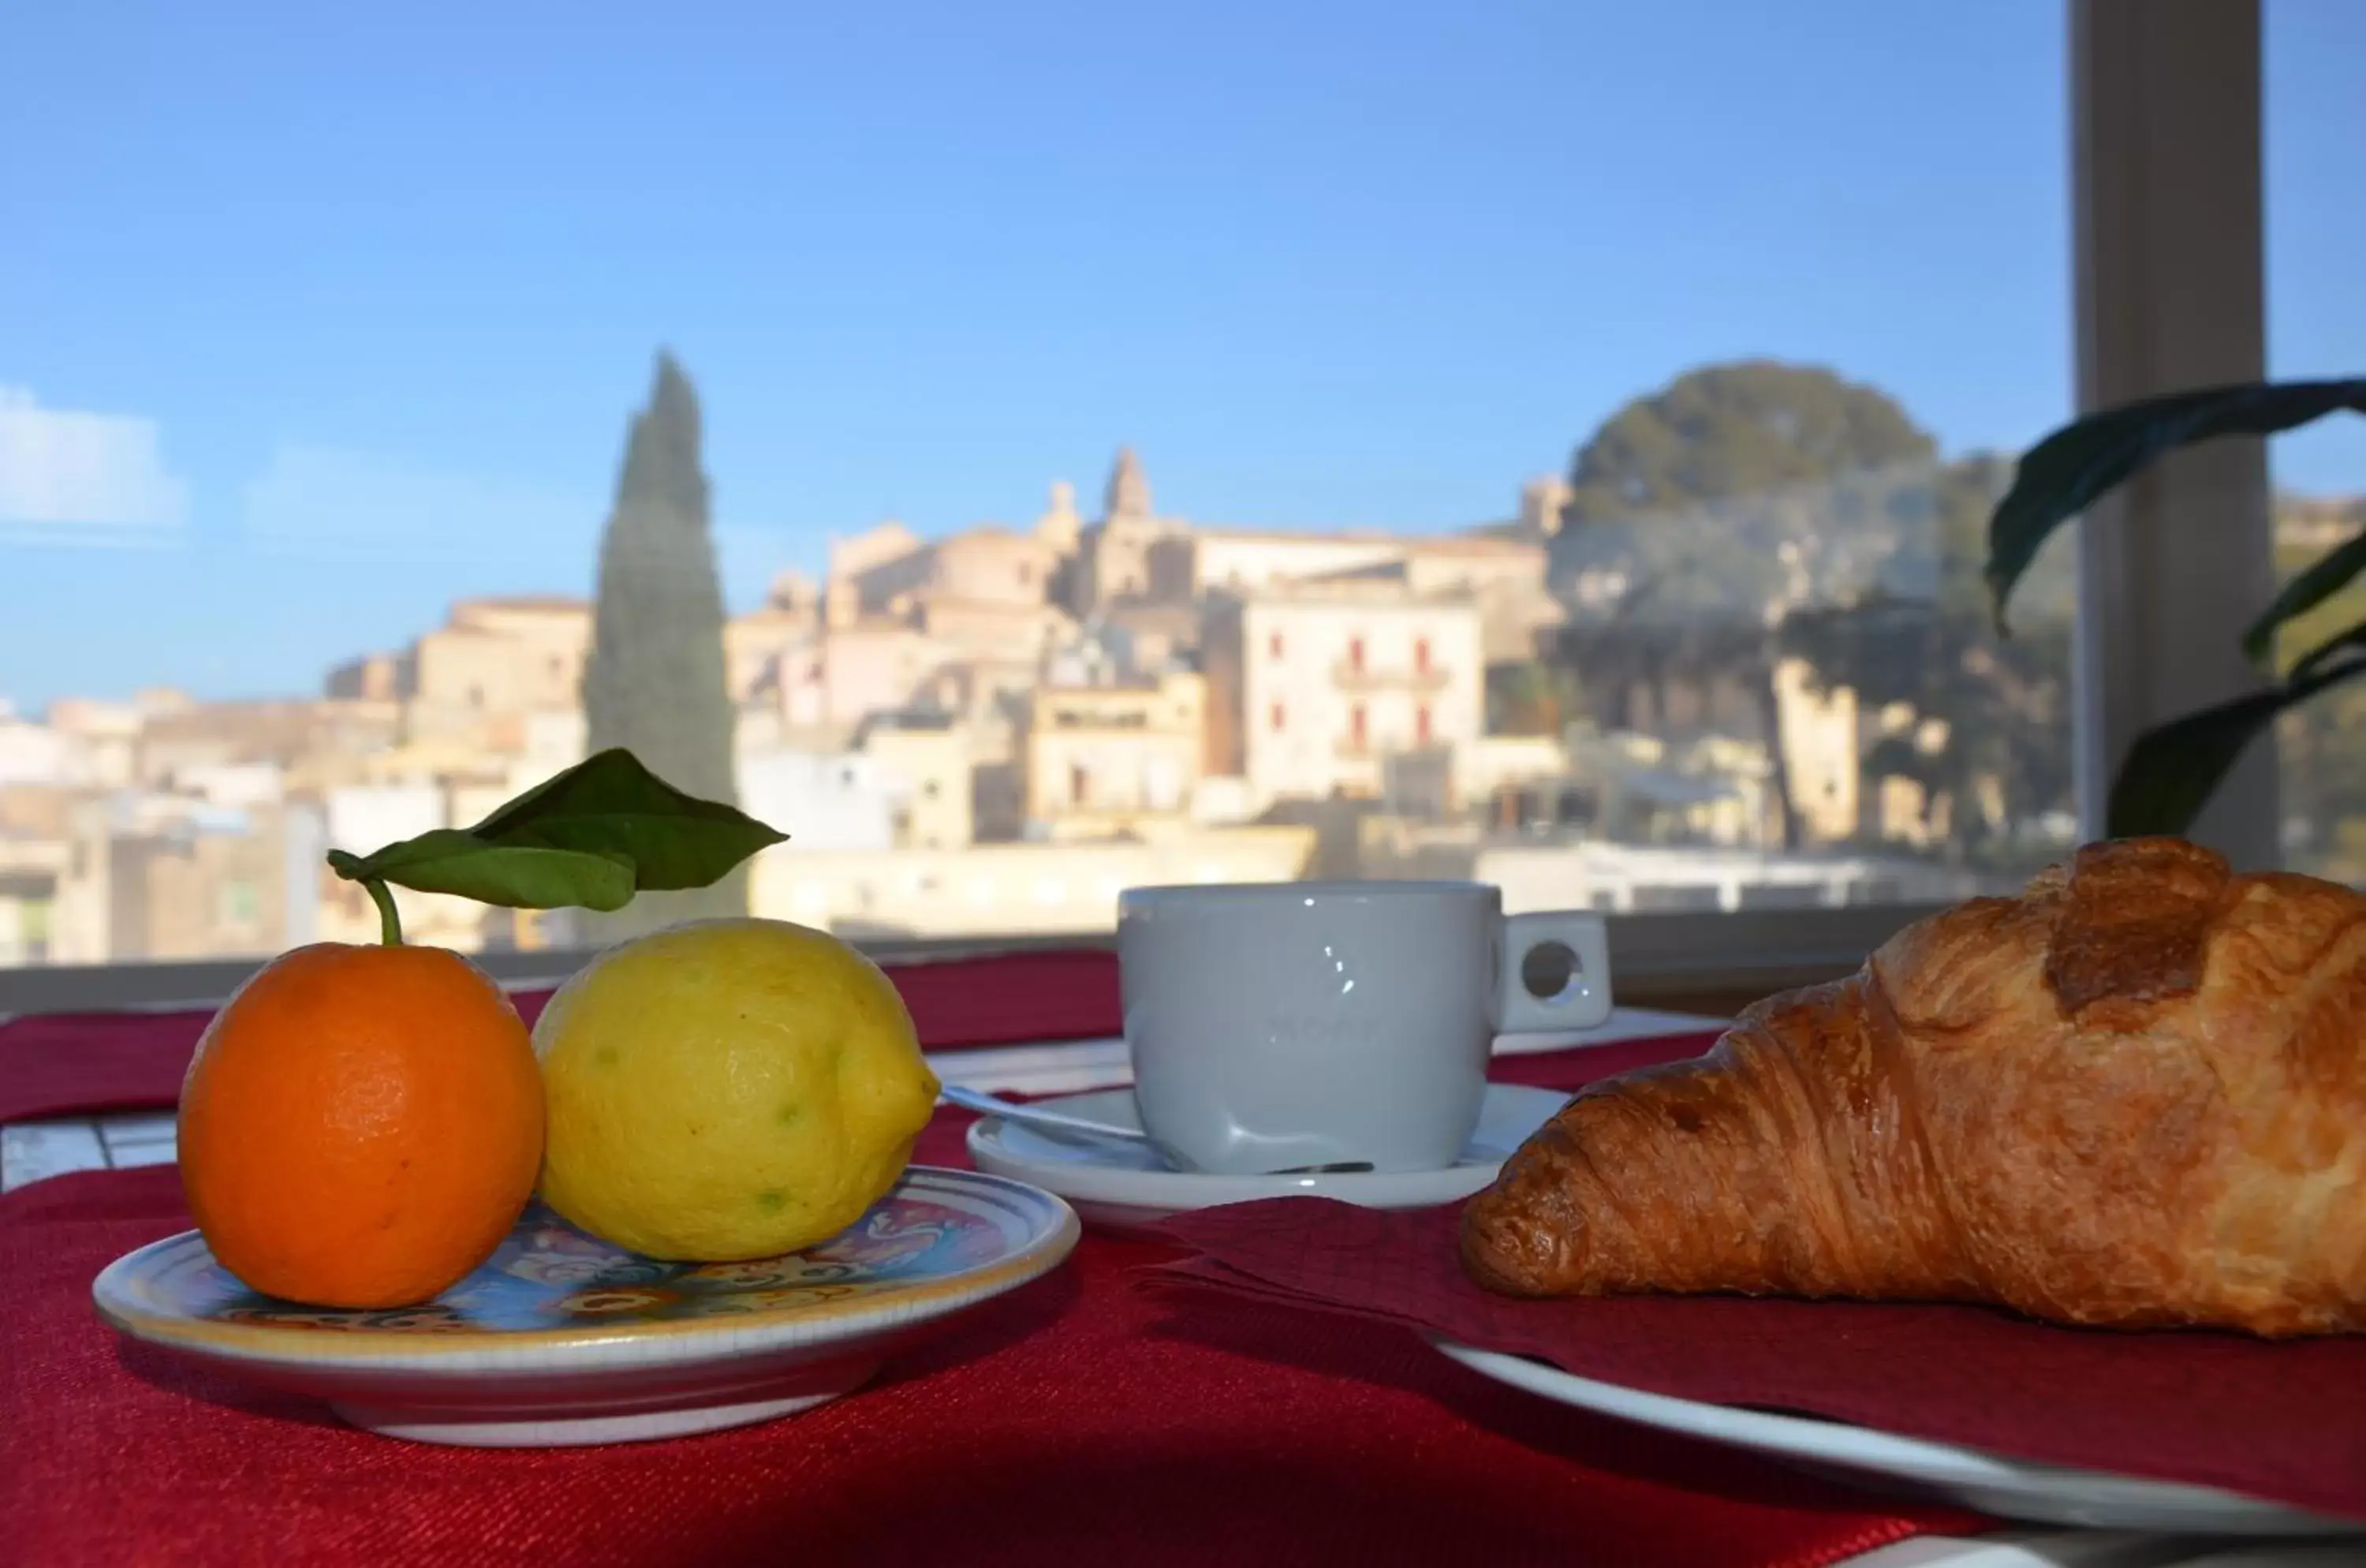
[[232, 783], [1332, 684], [35, 754], [823, 801], [1007, 889], [365, 817]]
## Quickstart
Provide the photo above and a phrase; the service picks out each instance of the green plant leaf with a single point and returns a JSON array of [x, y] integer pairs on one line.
[[2172, 771], [517, 877], [2311, 666], [610, 805], [592, 836], [2328, 575], [2064, 474]]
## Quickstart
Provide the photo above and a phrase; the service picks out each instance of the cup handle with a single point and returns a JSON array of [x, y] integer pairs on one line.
[[1582, 1002]]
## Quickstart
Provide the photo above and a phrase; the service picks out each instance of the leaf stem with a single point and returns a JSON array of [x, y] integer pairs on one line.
[[389, 922]]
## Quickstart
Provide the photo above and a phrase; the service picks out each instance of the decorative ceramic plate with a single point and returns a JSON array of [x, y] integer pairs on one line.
[[1128, 1186], [560, 1339], [1972, 1478]]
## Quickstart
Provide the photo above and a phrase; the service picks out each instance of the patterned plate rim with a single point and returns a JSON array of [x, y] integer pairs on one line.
[[1056, 1231]]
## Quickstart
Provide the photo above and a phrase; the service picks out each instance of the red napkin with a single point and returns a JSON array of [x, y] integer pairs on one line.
[[2281, 1421], [82, 1064], [1078, 1421]]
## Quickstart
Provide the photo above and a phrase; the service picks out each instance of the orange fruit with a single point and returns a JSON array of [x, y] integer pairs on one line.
[[361, 1126]]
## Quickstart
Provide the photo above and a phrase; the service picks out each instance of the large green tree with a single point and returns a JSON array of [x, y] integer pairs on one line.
[[2004, 756], [1701, 514], [1755, 511], [654, 681]]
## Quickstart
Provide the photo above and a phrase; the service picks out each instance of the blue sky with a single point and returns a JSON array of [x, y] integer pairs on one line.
[[324, 319]]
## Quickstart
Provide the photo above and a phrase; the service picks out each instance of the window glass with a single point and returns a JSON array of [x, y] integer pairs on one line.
[[1589, 412], [2315, 129]]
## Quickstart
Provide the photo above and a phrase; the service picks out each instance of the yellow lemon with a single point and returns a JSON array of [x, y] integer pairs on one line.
[[728, 1089]]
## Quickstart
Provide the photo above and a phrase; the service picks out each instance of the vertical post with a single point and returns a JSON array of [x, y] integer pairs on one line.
[[2169, 296]]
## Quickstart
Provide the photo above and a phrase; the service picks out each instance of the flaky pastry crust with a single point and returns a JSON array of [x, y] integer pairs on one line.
[[2133, 1096]]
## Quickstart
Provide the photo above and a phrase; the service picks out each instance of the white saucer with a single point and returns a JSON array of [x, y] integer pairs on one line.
[[1127, 1185], [1972, 1478], [560, 1339]]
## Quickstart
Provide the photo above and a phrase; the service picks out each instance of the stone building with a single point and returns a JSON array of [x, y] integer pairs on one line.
[[923, 761], [1112, 564], [1312, 684], [1134, 563], [1015, 889], [1122, 758]]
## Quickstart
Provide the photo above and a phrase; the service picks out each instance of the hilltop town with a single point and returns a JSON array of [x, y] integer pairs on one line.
[[1739, 656], [991, 732]]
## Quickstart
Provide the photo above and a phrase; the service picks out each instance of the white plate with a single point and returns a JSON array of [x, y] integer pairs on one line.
[[562, 1338], [1883, 1461], [1127, 1185]]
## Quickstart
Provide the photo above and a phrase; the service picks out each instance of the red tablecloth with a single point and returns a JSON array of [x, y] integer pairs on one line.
[[2286, 1422], [83, 1064], [1082, 1420]]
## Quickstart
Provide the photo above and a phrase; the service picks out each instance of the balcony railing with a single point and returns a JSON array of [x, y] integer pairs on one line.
[[1349, 675]]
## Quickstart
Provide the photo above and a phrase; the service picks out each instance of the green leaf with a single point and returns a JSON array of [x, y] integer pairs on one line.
[[592, 836], [2172, 770], [610, 805], [518, 877], [2327, 576], [2170, 773], [2067, 471], [2310, 666]]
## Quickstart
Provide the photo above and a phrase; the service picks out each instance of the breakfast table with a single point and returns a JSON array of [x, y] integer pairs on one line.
[[1116, 1409]]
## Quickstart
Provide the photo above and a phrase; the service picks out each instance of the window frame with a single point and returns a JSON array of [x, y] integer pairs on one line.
[[1655, 960], [2167, 273]]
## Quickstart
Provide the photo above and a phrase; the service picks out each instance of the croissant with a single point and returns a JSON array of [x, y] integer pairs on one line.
[[2134, 1096]]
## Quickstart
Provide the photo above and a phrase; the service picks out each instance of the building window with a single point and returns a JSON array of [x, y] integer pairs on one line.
[[932, 789], [1421, 720], [1356, 725], [1277, 716], [1079, 783], [1421, 654], [1273, 645], [1356, 654]]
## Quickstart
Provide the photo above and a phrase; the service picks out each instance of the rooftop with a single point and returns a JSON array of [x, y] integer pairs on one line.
[[1387, 587], [909, 721], [1451, 544]]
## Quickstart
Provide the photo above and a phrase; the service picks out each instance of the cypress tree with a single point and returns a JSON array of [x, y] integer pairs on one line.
[[654, 681]]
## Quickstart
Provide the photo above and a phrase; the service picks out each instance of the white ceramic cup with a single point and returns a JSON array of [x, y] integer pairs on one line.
[[1286, 1024]]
